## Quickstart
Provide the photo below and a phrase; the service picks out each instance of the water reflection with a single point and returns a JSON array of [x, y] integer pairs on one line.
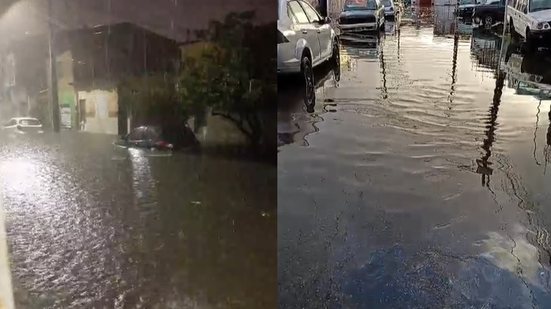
[[295, 119]]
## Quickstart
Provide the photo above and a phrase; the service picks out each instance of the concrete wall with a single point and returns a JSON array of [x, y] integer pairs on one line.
[[101, 111]]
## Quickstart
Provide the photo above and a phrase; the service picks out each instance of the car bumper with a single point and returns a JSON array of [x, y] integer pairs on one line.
[[359, 27], [543, 36], [287, 61]]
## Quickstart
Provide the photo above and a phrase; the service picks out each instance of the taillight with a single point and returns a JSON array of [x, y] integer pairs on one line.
[[163, 144], [281, 38]]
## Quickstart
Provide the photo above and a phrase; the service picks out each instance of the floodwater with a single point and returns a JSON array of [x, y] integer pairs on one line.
[[421, 178], [90, 225]]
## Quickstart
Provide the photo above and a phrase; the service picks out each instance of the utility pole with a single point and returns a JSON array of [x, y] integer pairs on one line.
[[54, 97]]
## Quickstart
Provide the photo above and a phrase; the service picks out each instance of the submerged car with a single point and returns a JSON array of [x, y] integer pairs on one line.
[[489, 12], [160, 138], [362, 15], [23, 125], [466, 8]]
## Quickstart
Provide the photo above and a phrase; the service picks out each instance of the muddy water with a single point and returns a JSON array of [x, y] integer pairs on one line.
[[94, 226], [421, 178]]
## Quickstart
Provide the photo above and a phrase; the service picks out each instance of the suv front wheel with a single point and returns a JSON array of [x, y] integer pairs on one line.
[[308, 75]]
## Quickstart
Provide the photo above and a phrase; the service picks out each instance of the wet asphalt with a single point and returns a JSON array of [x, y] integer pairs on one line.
[[421, 178], [91, 225]]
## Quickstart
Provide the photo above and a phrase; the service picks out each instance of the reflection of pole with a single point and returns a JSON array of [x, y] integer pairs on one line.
[[383, 68], [483, 163], [54, 99], [454, 64]]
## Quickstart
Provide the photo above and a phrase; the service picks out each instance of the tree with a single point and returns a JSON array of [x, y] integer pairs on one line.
[[234, 75]]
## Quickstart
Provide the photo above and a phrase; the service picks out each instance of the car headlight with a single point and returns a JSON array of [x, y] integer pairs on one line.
[[542, 26]]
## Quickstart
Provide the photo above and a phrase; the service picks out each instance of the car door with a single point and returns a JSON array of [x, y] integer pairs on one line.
[[323, 30], [306, 30]]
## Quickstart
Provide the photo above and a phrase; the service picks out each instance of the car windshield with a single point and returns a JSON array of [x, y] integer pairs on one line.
[[387, 3], [540, 5], [357, 5], [463, 2], [29, 122]]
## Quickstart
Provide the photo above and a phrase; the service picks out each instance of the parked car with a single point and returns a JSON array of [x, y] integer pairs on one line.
[[362, 15], [305, 40], [466, 8], [160, 138], [530, 19], [489, 12], [391, 10], [24, 125]]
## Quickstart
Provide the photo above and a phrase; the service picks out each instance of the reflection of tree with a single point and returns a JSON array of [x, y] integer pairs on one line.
[[491, 123]]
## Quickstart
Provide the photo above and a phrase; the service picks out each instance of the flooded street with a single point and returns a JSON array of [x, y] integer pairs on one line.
[[94, 226], [420, 179]]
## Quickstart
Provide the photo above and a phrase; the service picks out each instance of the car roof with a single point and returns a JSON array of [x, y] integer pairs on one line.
[[23, 118]]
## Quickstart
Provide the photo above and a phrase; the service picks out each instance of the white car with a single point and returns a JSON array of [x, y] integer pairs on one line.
[[305, 40], [530, 19], [391, 10], [24, 125]]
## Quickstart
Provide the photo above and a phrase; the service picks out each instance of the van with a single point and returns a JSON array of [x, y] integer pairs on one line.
[[531, 20]]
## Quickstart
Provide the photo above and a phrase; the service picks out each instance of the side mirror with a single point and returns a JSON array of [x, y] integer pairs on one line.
[[326, 20]]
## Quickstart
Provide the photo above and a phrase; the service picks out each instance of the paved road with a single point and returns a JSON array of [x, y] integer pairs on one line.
[[93, 226], [421, 178]]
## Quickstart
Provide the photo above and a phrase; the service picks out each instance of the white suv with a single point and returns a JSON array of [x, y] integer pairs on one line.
[[305, 40], [530, 19]]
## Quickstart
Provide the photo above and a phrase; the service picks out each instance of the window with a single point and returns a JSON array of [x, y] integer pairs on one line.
[[29, 122], [310, 12], [137, 134], [298, 12], [540, 5], [353, 5], [291, 15]]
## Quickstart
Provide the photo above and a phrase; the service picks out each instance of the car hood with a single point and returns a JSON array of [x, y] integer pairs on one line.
[[358, 13], [467, 6], [542, 16]]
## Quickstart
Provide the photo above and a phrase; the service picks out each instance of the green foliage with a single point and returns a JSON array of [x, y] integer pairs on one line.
[[234, 75], [152, 99]]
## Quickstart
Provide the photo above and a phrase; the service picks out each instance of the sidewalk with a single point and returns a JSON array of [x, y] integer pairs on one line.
[[6, 291]]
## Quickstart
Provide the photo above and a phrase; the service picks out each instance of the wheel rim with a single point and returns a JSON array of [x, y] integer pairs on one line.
[[488, 21]]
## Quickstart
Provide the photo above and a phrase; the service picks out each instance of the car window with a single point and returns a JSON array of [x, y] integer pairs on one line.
[[292, 16], [136, 134], [387, 3], [298, 12], [355, 5], [540, 5], [29, 122], [153, 133], [310, 12]]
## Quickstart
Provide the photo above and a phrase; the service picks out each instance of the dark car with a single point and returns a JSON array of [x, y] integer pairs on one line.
[[466, 8], [362, 15], [489, 12], [160, 138]]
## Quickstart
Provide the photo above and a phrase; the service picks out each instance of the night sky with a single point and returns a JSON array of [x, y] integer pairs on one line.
[[171, 18]]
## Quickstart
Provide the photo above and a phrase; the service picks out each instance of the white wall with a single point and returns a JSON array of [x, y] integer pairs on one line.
[[102, 103]]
